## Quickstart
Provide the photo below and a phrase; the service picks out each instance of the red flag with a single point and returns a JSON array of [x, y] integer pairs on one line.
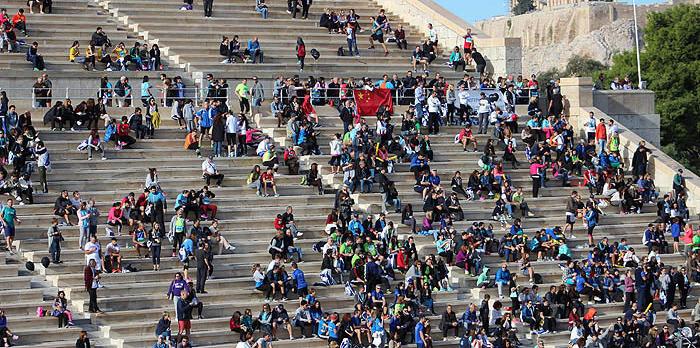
[[368, 102]]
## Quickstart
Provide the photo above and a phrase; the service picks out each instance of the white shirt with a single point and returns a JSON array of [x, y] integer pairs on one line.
[[463, 97], [243, 344], [209, 167], [232, 126], [483, 106], [262, 147], [590, 125], [433, 104], [94, 255], [336, 146], [432, 35]]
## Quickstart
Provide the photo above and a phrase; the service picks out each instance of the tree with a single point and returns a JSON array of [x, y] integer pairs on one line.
[[523, 6], [671, 66], [583, 66]]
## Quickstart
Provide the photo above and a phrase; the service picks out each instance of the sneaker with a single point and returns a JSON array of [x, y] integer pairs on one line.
[[89, 158], [104, 158]]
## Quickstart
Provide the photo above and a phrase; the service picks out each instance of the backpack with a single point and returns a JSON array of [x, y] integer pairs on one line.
[[182, 254], [341, 51], [315, 54], [301, 51]]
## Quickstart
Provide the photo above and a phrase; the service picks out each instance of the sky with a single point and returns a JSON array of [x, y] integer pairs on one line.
[[475, 10]]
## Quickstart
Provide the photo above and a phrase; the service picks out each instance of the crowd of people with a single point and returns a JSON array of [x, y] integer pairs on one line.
[[395, 288]]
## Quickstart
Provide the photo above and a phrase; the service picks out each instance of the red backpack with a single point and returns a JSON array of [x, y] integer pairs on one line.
[[301, 51]]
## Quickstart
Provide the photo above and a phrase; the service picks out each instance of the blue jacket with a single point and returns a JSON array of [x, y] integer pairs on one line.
[[502, 276], [253, 46], [298, 276]]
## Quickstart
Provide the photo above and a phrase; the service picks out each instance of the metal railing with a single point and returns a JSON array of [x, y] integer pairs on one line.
[[200, 93]]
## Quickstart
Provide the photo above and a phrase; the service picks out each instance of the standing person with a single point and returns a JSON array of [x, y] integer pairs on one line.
[[591, 218], [44, 163], [94, 215], [155, 237], [55, 238], [9, 217], [202, 255], [184, 315], [419, 331], [305, 5], [84, 225], [683, 285], [484, 111], [92, 282], [258, 94], [243, 94], [208, 6], [301, 53], [601, 135], [571, 212]]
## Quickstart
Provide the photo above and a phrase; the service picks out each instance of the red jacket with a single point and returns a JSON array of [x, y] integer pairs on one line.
[[232, 324], [19, 18], [601, 132], [279, 225], [89, 277]]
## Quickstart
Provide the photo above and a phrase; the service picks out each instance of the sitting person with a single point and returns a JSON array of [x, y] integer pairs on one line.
[[192, 142], [457, 60], [261, 8], [234, 50], [268, 181], [64, 208], [313, 178], [61, 311], [93, 143], [254, 50], [419, 57], [8, 36], [113, 257], [34, 57]]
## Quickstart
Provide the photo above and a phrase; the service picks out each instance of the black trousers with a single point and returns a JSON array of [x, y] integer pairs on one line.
[[305, 10], [245, 105], [201, 278], [208, 4], [218, 177], [535, 185], [93, 300]]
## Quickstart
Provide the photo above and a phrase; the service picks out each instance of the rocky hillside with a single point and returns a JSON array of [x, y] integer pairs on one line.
[[600, 44]]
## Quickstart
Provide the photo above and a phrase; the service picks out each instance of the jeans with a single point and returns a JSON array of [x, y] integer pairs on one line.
[[256, 185], [601, 145], [55, 250], [155, 254], [396, 202], [218, 148], [83, 236], [292, 250], [352, 46], [262, 11], [483, 123], [367, 184]]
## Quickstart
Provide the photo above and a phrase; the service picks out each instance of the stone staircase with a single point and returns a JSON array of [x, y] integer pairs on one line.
[[134, 301]]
